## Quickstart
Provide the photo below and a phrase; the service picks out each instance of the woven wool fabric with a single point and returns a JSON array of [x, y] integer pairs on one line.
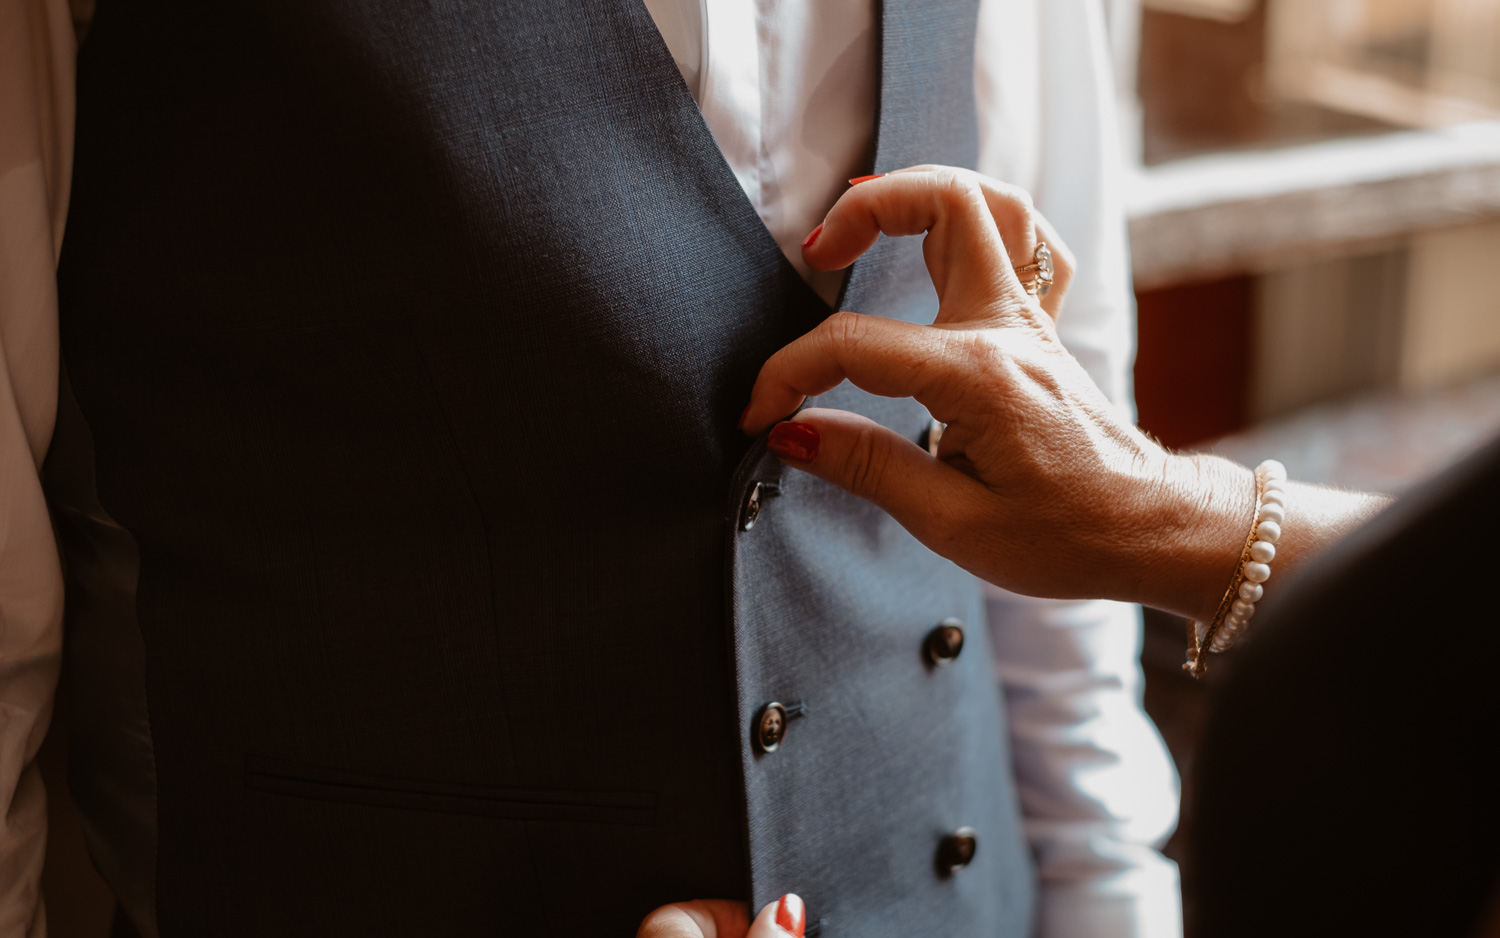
[[409, 341]]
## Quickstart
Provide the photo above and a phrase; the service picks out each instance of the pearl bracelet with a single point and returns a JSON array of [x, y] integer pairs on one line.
[[1247, 586]]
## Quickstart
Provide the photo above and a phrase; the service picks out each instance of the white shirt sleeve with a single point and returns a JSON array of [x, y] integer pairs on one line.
[[36, 137], [1097, 787], [1098, 791]]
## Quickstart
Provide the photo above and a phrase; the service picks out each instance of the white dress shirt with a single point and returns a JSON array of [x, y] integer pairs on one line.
[[787, 88]]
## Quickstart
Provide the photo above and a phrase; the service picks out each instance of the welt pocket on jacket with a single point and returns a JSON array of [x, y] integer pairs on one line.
[[298, 780]]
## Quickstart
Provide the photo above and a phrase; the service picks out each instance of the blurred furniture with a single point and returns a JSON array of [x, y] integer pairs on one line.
[[1338, 164], [1315, 223], [1411, 63]]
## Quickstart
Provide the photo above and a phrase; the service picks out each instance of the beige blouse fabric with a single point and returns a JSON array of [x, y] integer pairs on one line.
[[36, 144]]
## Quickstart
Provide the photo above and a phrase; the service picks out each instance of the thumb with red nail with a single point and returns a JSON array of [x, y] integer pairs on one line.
[[722, 918]]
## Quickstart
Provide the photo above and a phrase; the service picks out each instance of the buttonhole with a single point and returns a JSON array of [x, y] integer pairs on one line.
[[797, 709]]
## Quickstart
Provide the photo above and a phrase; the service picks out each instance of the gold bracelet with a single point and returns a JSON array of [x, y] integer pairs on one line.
[[1197, 656]]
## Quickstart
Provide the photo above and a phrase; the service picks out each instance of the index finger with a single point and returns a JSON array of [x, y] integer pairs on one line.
[[961, 215], [887, 357], [978, 230]]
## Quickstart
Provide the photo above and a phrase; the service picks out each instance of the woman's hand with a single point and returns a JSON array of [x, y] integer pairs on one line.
[[1040, 484], [721, 918]]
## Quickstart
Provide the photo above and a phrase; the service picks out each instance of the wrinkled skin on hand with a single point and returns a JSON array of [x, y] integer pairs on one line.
[[1040, 484]]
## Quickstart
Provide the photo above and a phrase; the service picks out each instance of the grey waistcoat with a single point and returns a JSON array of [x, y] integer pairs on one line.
[[410, 585]]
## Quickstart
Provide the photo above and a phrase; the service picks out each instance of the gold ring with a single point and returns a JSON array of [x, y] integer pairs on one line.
[[1041, 264]]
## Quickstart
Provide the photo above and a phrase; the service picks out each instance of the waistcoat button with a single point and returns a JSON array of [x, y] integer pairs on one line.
[[956, 850], [770, 726], [945, 642], [754, 501]]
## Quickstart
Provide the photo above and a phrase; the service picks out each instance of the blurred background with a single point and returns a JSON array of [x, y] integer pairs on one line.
[[1314, 207], [1315, 226]]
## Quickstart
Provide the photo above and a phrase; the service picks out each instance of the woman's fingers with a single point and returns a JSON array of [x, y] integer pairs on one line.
[[902, 203], [1014, 217], [875, 463], [701, 918], [964, 217], [784, 918], [883, 356], [963, 256]]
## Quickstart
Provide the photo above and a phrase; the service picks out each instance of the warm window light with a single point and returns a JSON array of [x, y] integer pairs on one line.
[[1411, 63]]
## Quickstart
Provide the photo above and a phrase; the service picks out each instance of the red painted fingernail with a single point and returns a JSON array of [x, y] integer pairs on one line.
[[791, 915], [794, 441], [812, 237], [859, 179]]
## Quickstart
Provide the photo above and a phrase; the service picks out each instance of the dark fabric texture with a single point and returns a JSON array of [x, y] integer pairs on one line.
[[412, 339], [122, 927], [1347, 782], [111, 761]]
